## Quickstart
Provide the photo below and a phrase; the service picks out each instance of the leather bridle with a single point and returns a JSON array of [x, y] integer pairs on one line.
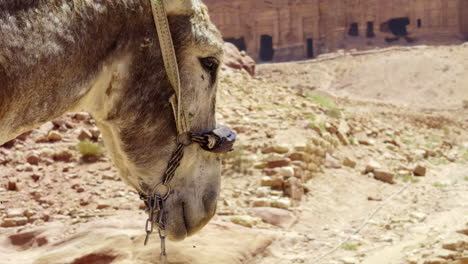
[[219, 140]]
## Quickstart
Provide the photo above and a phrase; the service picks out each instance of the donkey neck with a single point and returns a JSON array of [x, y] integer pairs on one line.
[[52, 52]]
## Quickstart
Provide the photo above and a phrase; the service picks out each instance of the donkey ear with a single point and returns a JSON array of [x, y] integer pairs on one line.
[[182, 7]]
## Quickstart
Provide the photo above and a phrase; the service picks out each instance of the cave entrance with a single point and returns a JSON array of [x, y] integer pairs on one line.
[[397, 26], [370, 30], [353, 30], [310, 48], [266, 48], [238, 42]]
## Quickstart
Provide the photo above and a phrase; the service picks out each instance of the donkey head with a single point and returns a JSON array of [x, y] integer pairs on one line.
[[137, 121]]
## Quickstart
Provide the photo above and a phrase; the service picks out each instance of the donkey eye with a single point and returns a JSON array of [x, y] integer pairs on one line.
[[210, 64]]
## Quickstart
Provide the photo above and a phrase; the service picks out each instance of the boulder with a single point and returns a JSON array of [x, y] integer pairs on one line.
[[275, 216], [384, 176], [419, 171], [349, 163], [278, 163], [33, 158], [54, 136], [235, 59]]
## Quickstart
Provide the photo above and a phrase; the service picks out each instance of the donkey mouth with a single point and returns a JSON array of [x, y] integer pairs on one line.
[[182, 224]]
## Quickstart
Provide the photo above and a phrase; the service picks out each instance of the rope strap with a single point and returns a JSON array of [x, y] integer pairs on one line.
[[170, 63]]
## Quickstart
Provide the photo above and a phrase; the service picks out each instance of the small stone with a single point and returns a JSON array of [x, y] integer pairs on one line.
[[11, 186], [102, 206], [371, 166], [280, 149], [445, 254], [435, 261], [15, 212], [85, 134], [275, 216], [245, 220], [260, 165], [331, 162], [278, 163], [16, 221], [261, 202], [454, 245], [342, 138], [429, 154], [282, 203], [64, 155], [109, 176], [331, 128], [95, 132], [299, 156], [262, 191], [4, 160], [349, 260], [418, 216], [33, 158], [363, 139], [272, 182], [384, 176], [29, 213], [58, 122], [54, 136], [286, 171], [463, 232], [294, 188], [81, 116], [349, 163], [419, 171], [8, 223], [47, 152], [35, 177]]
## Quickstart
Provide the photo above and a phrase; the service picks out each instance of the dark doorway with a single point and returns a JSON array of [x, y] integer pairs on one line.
[[397, 26], [266, 48], [419, 23], [354, 30], [370, 30], [239, 42], [310, 48]]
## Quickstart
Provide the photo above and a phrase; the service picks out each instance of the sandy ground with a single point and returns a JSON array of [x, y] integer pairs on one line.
[[397, 108]]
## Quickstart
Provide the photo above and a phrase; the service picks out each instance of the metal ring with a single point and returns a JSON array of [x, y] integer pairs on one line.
[[162, 195], [184, 139]]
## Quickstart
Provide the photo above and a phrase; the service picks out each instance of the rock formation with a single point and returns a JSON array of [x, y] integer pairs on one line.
[[280, 30]]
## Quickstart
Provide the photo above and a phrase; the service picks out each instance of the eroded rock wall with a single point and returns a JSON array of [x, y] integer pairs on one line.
[[280, 30]]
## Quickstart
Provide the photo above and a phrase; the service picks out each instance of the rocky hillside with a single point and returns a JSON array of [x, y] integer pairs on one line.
[[319, 166]]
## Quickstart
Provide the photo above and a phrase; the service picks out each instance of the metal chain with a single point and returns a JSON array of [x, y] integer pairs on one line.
[[157, 197], [155, 202]]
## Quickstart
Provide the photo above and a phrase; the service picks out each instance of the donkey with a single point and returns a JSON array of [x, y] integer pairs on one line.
[[103, 57]]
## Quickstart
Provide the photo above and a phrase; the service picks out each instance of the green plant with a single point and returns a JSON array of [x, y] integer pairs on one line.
[[407, 141], [439, 185], [408, 178], [349, 246], [325, 102], [89, 149], [439, 161]]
